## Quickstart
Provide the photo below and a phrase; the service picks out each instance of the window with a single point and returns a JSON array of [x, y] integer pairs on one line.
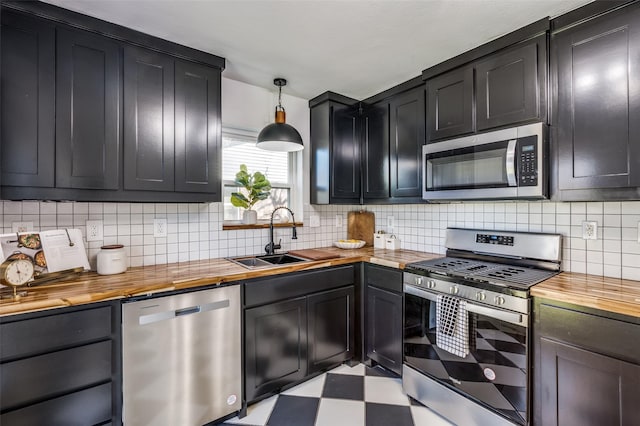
[[239, 147]]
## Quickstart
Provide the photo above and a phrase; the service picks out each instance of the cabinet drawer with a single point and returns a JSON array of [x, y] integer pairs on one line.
[[88, 407], [37, 335], [386, 278], [597, 333], [266, 290], [40, 377]]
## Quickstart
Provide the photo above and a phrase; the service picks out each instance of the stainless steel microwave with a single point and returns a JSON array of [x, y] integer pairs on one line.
[[504, 164]]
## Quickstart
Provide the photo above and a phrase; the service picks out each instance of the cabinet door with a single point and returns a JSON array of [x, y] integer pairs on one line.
[[275, 346], [148, 123], [198, 129], [407, 137], [345, 155], [384, 328], [27, 101], [584, 388], [508, 86], [88, 108], [331, 328], [597, 67], [450, 104], [375, 150]]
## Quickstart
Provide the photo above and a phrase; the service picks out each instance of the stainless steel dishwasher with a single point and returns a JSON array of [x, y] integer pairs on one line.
[[182, 358]]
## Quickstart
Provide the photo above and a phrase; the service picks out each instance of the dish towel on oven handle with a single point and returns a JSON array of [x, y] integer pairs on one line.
[[452, 325]]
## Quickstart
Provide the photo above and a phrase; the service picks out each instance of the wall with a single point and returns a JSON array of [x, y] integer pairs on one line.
[[195, 230]]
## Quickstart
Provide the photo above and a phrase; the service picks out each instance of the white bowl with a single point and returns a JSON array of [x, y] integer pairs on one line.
[[349, 245]]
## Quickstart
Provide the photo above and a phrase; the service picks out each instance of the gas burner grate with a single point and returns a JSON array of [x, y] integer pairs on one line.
[[523, 277]]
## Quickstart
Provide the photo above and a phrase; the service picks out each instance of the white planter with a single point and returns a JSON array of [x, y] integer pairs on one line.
[[249, 217]]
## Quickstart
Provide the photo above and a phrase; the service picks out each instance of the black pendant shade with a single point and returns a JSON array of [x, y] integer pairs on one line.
[[280, 136]]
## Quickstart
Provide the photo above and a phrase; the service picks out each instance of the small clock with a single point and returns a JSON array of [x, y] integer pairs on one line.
[[15, 273]]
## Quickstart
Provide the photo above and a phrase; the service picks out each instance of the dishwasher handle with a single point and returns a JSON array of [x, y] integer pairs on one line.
[[165, 315], [187, 311]]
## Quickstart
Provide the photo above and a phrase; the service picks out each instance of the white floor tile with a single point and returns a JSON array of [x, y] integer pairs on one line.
[[257, 414], [358, 370], [422, 416], [333, 412], [311, 387], [384, 390]]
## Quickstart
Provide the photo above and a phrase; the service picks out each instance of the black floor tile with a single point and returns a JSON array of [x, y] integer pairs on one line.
[[385, 415], [343, 386], [294, 411], [380, 371]]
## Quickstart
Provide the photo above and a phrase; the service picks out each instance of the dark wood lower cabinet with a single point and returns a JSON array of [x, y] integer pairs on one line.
[[61, 367], [331, 329], [296, 325], [384, 328], [275, 346], [586, 366], [580, 387]]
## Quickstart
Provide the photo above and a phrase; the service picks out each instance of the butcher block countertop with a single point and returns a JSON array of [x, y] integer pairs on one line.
[[605, 293], [90, 287]]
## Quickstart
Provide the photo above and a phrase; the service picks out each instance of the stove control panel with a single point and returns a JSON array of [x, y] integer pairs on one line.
[[501, 240], [485, 297]]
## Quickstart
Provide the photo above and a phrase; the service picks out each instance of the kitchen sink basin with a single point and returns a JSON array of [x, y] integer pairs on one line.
[[266, 260]]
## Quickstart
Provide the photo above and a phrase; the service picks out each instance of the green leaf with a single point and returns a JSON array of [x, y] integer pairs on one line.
[[256, 185]]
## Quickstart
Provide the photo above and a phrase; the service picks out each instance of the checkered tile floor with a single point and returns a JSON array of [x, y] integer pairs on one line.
[[344, 396]]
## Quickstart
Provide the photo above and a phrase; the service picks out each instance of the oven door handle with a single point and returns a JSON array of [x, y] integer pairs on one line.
[[507, 316]]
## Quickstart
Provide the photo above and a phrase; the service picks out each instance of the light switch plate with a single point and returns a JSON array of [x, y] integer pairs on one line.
[[314, 221], [338, 221]]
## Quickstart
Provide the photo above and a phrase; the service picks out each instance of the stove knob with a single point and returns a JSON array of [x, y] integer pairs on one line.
[[431, 284], [454, 289], [499, 300], [481, 296], [418, 280]]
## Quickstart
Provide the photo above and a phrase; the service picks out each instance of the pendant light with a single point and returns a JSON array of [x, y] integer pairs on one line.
[[280, 136]]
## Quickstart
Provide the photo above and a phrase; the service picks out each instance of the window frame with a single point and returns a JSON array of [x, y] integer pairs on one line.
[[294, 160]]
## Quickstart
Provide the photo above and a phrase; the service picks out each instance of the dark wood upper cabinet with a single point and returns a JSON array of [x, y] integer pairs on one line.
[[375, 151], [28, 101], [88, 110], [509, 85], [149, 120], [407, 128], [105, 113], [450, 110], [335, 149], [198, 129], [345, 155], [596, 139]]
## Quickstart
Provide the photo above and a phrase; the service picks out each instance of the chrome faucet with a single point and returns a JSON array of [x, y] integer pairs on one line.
[[271, 247]]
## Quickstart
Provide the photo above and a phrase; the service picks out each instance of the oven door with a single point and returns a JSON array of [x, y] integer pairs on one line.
[[493, 374]]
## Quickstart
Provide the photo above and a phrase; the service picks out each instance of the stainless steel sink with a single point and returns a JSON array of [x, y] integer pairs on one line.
[[266, 260]]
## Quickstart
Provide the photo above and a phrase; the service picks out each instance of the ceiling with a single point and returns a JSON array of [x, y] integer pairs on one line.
[[353, 47]]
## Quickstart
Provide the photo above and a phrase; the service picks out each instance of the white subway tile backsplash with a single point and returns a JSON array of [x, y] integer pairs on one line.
[[195, 230]]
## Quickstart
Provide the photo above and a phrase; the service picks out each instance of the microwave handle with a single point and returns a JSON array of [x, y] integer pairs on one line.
[[510, 162]]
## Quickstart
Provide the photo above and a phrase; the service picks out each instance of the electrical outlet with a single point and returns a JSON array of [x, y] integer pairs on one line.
[[338, 221], [159, 228], [589, 230], [639, 232], [390, 223], [22, 226], [94, 230], [314, 221]]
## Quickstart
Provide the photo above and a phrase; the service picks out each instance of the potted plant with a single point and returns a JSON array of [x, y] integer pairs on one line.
[[256, 187]]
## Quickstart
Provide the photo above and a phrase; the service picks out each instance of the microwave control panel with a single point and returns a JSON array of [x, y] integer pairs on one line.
[[527, 161]]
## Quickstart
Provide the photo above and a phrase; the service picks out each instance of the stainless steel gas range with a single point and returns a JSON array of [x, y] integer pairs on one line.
[[467, 322]]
